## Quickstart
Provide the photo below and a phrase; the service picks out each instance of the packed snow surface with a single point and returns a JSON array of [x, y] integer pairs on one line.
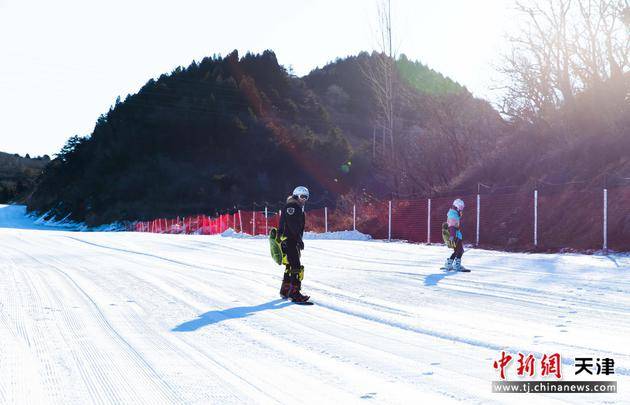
[[113, 317]]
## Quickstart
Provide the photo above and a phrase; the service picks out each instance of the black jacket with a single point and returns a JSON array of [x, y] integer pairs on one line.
[[292, 221]]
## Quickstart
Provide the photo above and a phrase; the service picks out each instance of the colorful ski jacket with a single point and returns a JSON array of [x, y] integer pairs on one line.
[[453, 219]]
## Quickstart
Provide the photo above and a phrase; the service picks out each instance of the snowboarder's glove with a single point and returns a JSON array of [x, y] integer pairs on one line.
[[301, 245], [301, 273]]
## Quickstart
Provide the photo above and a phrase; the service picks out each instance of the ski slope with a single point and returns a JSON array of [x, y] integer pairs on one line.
[[105, 317]]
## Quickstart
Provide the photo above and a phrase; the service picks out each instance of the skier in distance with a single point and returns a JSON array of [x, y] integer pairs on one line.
[[453, 220]]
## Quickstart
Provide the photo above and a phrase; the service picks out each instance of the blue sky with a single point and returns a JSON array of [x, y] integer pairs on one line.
[[63, 63]]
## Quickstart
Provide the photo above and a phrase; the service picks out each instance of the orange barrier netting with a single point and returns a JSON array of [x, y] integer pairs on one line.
[[506, 221]]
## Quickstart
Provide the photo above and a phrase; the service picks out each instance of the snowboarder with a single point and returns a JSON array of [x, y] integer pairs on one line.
[[290, 232], [453, 220]]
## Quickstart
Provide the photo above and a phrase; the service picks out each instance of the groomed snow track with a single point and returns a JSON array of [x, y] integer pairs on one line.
[[105, 317]]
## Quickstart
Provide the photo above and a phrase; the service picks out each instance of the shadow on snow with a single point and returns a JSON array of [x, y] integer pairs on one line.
[[212, 317], [432, 279]]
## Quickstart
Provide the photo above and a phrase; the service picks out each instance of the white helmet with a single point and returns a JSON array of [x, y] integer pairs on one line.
[[301, 191], [459, 204]]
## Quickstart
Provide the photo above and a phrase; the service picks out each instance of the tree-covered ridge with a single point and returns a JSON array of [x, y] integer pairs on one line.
[[18, 174], [425, 79], [220, 132], [438, 131], [234, 131]]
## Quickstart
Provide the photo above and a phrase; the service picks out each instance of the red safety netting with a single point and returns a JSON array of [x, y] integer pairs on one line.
[[260, 226], [559, 226], [246, 222], [194, 224], [205, 226], [567, 219], [315, 221], [409, 220], [619, 218], [506, 221], [373, 218], [274, 220], [339, 220], [234, 221]]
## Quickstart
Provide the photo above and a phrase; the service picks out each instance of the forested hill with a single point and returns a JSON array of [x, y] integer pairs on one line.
[[351, 102], [239, 130], [221, 132], [18, 174], [439, 129]]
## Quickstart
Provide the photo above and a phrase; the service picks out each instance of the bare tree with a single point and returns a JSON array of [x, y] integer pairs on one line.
[[379, 71], [601, 48], [566, 47]]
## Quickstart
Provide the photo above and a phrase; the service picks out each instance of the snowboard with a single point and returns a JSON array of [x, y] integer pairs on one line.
[[275, 247], [307, 302], [463, 270], [446, 236], [303, 303]]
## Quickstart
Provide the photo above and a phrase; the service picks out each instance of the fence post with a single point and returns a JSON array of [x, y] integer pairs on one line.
[[240, 221], [535, 217], [428, 220], [478, 210], [389, 224], [254, 222], [326, 219], [605, 220], [354, 217], [266, 223]]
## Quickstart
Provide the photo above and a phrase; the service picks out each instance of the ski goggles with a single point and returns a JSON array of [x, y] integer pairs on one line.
[[303, 197]]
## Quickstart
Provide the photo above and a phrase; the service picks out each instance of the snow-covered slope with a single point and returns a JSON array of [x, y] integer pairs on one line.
[[144, 318], [14, 216]]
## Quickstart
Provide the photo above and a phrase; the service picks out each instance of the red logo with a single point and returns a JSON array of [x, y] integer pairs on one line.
[[550, 365]]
